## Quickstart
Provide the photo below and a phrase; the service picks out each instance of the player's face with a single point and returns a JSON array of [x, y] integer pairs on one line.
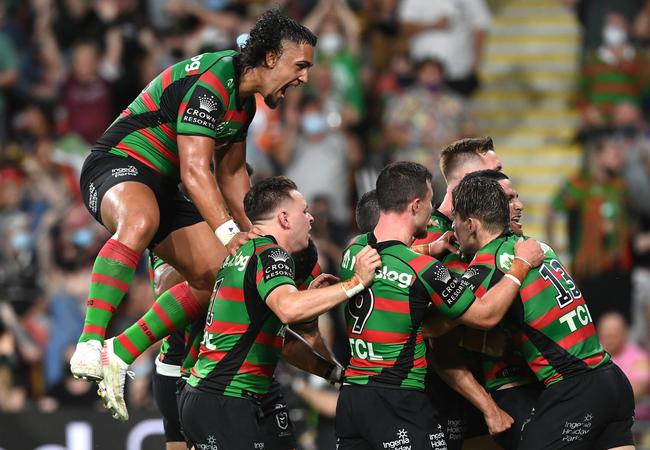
[[288, 69], [516, 207], [300, 221], [423, 214], [464, 235], [491, 161]]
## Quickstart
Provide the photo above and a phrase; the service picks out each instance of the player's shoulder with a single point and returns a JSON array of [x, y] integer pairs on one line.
[[222, 64], [439, 223]]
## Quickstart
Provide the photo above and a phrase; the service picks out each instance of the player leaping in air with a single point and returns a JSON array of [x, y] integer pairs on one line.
[[193, 112]]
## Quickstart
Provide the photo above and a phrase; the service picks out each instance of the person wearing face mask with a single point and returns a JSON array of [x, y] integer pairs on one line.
[[426, 118], [596, 205], [338, 50], [319, 146], [611, 74]]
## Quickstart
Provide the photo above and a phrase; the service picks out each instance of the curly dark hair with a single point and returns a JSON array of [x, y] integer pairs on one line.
[[267, 35]]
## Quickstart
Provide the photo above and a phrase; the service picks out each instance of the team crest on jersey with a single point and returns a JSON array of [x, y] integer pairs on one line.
[[203, 109], [506, 260], [282, 419], [277, 263]]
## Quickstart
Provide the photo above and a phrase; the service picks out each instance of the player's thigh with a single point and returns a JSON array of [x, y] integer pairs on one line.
[[122, 194], [518, 402], [277, 429], [218, 421], [195, 252], [394, 418], [617, 431], [164, 394]]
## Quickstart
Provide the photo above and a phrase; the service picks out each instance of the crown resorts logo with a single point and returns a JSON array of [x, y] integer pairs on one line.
[[208, 103], [278, 255]]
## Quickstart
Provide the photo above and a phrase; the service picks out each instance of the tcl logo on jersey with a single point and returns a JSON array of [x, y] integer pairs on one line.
[[581, 313], [403, 279], [195, 64]]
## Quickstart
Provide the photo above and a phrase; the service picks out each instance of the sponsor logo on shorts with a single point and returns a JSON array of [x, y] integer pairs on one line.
[[92, 198], [455, 429], [210, 444], [576, 431], [437, 440], [259, 445], [130, 171], [401, 443]]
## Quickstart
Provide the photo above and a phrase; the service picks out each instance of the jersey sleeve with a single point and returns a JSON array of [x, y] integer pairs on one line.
[[274, 268], [452, 296], [203, 107], [315, 272]]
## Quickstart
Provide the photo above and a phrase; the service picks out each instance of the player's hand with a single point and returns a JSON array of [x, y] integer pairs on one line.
[[240, 239], [323, 280], [367, 261], [443, 245], [497, 421], [530, 251]]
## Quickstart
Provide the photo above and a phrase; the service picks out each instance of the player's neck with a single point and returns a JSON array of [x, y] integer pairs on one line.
[[280, 235], [249, 82], [484, 237], [446, 207], [394, 227]]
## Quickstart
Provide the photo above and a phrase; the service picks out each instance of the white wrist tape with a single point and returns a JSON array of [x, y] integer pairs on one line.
[[353, 286], [226, 231], [513, 278]]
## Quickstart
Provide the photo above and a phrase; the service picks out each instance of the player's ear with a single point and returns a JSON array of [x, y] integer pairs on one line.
[[271, 59], [283, 219], [416, 204]]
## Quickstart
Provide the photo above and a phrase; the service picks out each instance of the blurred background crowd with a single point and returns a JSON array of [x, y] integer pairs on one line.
[[563, 87]]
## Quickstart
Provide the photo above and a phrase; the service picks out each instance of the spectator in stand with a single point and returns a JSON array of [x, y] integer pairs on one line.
[[425, 118], [611, 74], [596, 204], [632, 131], [318, 158], [8, 74], [88, 88], [633, 360], [338, 49], [452, 31], [592, 16]]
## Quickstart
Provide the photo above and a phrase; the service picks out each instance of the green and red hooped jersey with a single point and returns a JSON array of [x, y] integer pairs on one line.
[[242, 339], [197, 96], [193, 341], [556, 334], [384, 322], [182, 347]]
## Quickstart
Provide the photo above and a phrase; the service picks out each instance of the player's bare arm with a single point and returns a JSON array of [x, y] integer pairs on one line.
[[451, 367], [233, 181], [487, 311], [195, 153], [291, 305]]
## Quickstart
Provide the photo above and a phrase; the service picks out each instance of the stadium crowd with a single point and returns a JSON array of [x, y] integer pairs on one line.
[[388, 84]]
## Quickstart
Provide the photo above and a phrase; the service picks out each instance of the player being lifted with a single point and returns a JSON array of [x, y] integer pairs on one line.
[[193, 112], [382, 403], [253, 297], [587, 401]]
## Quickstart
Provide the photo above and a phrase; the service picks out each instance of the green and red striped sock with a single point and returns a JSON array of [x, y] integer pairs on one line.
[[173, 310], [111, 277]]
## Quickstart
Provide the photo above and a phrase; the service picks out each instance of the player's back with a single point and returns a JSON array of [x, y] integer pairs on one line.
[[384, 322], [197, 96], [558, 335]]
